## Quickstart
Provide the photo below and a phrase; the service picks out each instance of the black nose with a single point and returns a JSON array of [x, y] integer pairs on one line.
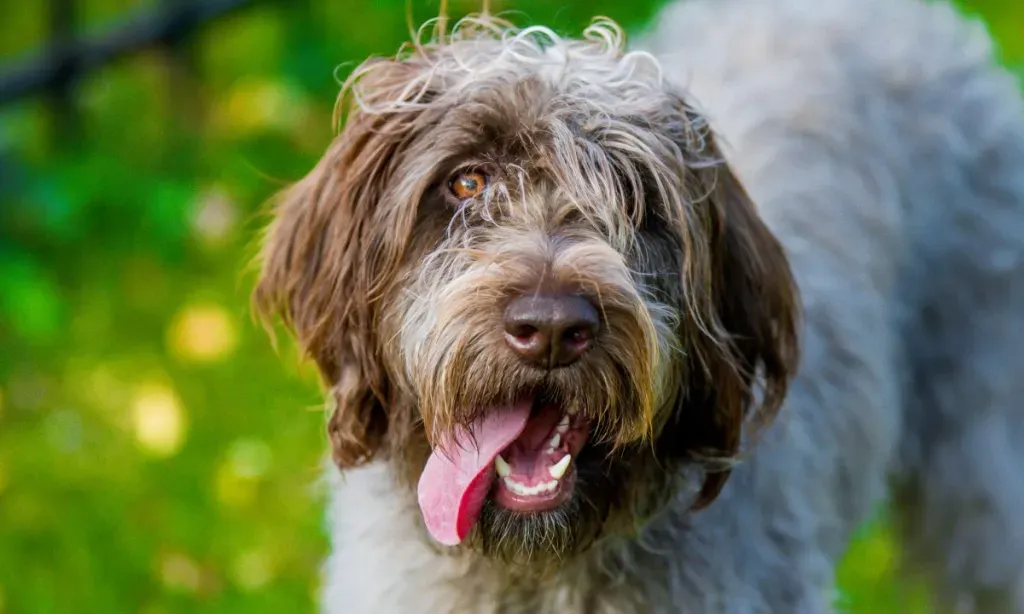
[[551, 330]]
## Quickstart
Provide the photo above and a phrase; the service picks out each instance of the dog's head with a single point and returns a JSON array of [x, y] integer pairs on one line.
[[533, 285]]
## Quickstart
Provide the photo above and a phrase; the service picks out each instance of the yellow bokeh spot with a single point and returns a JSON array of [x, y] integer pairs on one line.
[[238, 476], [256, 105], [107, 391], [179, 572], [234, 490], [249, 458], [202, 333], [252, 570], [158, 420]]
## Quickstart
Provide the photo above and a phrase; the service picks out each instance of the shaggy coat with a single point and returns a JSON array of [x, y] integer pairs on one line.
[[802, 222]]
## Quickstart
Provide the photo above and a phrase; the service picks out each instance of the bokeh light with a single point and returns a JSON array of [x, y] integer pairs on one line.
[[240, 471], [215, 216], [180, 573], [253, 569], [203, 333], [158, 420], [254, 106]]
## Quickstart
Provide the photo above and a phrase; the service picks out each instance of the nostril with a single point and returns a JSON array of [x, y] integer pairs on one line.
[[522, 332], [580, 335], [574, 341], [529, 342]]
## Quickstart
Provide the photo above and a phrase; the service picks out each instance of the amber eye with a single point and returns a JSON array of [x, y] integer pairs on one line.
[[467, 185]]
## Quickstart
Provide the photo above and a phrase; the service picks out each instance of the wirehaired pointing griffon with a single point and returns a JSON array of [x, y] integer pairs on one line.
[[656, 330]]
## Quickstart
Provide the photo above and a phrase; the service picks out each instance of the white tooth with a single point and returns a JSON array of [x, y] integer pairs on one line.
[[553, 484], [502, 467], [557, 439], [563, 426], [514, 486], [558, 469]]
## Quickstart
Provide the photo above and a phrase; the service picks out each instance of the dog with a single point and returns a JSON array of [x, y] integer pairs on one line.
[[656, 329]]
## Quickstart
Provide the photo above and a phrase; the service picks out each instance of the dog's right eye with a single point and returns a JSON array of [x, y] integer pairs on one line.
[[464, 186]]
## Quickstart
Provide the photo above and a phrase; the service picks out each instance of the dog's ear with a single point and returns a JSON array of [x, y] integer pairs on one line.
[[334, 248], [740, 319]]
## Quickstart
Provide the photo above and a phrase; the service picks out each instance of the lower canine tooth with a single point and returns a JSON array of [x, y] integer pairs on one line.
[[558, 469], [502, 467]]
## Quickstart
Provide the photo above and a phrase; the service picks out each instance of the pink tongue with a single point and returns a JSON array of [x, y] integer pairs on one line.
[[453, 487]]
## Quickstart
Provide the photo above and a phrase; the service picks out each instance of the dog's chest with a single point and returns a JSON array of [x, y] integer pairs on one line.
[[380, 563]]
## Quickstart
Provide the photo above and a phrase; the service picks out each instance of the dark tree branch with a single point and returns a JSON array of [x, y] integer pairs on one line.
[[56, 66]]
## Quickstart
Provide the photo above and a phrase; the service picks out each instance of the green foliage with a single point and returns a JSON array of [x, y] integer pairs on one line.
[[156, 455]]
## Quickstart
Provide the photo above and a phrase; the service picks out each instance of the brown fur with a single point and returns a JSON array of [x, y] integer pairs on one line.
[[396, 291]]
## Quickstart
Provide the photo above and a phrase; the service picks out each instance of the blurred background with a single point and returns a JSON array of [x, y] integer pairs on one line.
[[156, 454]]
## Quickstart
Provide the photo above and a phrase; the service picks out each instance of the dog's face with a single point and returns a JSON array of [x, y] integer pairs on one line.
[[533, 286]]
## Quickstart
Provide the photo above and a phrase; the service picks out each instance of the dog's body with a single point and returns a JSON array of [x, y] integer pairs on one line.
[[885, 151]]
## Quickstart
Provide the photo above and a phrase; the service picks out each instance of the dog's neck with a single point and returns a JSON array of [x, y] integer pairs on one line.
[[378, 532]]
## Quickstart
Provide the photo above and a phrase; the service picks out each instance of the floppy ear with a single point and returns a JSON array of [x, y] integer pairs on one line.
[[746, 328], [333, 250]]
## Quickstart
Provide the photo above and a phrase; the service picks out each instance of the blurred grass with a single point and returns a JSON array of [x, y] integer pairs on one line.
[[155, 454]]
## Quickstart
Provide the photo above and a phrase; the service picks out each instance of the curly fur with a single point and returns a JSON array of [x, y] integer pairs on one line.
[[867, 152]]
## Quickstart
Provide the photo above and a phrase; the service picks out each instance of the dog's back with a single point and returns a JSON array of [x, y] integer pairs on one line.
[[886, 151]]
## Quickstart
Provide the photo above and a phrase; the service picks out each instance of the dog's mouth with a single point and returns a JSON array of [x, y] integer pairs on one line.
[[522, 456], [536, 471]]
